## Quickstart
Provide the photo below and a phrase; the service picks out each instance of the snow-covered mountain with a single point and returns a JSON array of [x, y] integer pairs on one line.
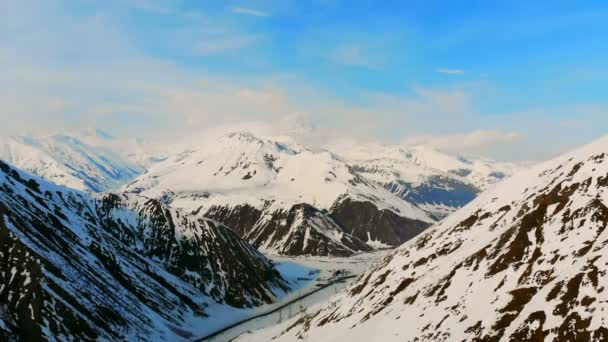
[[278, 194], [90, 161], [77, 266], [140, 152], [283, 197], [435, 181], [525, 261]]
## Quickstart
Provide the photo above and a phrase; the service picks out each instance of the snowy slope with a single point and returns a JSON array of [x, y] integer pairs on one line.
[[435, 181], [525, 261], [116, 267], [89, 162], [265, 179]]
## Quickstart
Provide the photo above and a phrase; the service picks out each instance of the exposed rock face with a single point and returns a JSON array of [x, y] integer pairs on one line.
[[115, 267], [366, 222], [301, 230], [242, 218], [525, 261], [348, 227]]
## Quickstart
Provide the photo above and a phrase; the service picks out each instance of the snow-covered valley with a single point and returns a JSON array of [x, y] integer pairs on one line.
[[303, 171], [525, 261], [282, 227], [313, 279]]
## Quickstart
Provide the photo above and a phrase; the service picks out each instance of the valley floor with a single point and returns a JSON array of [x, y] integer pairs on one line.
[[306, 275]]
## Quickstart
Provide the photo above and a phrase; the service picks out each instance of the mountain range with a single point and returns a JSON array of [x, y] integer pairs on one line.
[[525, 261], [276, 193], [88, 161], [283, 197], [486, 251], [435, 181]]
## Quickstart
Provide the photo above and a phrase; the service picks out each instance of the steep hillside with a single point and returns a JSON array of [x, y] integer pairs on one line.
[[525, 261], [115, 267], [278, 195]]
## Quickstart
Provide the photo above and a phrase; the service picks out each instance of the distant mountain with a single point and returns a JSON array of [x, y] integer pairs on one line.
[[335, 204], [140, 152], [435, 181], [525, 261], [77, 266], [283, 197], [90, 161]]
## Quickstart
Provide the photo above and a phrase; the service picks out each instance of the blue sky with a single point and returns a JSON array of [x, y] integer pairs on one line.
[[508, 79]]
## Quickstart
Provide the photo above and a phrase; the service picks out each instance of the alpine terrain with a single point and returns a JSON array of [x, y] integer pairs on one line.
[[525, 261], [283, 197], [89, 161], [435, 181], [112, 267]]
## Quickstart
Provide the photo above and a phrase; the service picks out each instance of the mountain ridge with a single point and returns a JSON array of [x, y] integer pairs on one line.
[[270, 179], [523, 261], [435, 181], [110, 266]]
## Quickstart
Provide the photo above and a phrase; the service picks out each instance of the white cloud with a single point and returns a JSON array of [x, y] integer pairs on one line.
[[355, 55], [154, 6], [212, 44], [450, 71], [472, 142], [250, 11], [87, 72], [274, 98], [425, 108]]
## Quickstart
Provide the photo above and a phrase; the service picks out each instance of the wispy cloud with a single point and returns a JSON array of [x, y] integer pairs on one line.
[[450, 71], [97, 66], [466, 142], [571, 123], [354, 55], [250, 11], [213, 44]]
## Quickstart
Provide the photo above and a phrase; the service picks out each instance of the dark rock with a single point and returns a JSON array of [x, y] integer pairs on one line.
[[365, 221]]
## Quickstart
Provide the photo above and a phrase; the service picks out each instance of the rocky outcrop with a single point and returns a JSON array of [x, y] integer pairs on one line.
[[301, 230], [366, 222], [241, 218], [347, 228]]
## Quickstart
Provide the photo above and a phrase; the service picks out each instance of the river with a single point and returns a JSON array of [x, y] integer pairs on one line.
[[332, 274]]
